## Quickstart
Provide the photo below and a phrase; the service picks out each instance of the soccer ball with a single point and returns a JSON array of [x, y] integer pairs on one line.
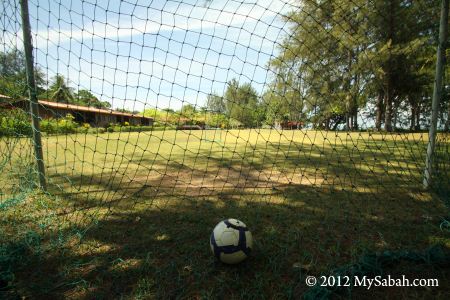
[[231, 241]]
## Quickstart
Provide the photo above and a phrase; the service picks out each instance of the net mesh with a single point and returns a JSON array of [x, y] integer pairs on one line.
[[16, 156], [308, 120]]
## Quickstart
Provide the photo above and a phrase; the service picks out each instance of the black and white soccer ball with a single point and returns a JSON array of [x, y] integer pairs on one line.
[[231, 241]]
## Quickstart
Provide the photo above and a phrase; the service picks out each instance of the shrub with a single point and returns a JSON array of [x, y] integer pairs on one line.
[[117, 128], [48, 126], [81, 129], [64, 125], [162, 127], [67, 124], [15, 122], [189, 127], [97, 130], [84, 128]]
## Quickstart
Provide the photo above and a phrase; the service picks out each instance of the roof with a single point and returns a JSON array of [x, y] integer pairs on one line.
[[4, 96], [89, 109], [67, 106]]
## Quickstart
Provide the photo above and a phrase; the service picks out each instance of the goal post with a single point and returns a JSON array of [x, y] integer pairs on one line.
[[437, 94], [34, 106]]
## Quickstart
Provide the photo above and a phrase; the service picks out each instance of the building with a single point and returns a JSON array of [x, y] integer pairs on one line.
[[96, 117], [291, 125]]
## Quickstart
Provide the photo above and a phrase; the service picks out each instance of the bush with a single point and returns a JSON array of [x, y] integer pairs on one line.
[[81, 129], [132, 128], [84, 128], [145, 128], [158, 126], [63, 126], [48, 126], [15, 122], [67, 124], [189, 127], [97, 130], [117, 128], [163, 127]]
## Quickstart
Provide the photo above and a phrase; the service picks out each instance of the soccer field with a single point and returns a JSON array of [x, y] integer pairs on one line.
[[314, 201], [201, 163], [264, 149]]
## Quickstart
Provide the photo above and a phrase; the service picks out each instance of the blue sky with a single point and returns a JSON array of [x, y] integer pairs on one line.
[[143, 54]]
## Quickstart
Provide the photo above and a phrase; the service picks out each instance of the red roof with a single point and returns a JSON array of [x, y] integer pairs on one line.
[[89, 109], [67, 106]]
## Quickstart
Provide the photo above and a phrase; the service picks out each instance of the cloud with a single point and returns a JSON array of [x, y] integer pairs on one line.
[[245, 16], [159, 55]]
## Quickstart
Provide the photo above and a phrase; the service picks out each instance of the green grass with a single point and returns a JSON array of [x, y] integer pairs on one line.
[[129, 214]]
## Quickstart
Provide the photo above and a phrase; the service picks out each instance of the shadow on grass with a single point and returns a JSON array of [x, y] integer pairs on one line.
[[261, 169], [159, 248]]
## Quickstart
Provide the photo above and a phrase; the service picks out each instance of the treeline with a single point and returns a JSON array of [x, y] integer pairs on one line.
[[239, 107], [13, 83], [349, 61], [341, 65]]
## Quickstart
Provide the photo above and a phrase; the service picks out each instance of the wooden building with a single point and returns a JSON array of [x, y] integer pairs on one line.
[[96, 117], [290, 125]]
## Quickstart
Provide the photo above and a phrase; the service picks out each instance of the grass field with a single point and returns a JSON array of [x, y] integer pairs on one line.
[[129, 214]]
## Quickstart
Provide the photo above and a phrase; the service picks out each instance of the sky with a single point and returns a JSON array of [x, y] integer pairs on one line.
[[140, 54]]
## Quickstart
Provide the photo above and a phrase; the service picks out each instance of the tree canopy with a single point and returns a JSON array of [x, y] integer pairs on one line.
[[86, 98], [59, 90], [13, 83], [242, 103], [13, 75], [341, 57]]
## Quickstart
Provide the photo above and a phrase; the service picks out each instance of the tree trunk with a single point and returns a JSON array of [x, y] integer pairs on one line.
[[412, 123], [417, 118], [414, 119], [355, 103], [395, 117], [379, 108], [349, 98], [389, 71], [388, 113], [336, 124], [447, 122], [355, 118]]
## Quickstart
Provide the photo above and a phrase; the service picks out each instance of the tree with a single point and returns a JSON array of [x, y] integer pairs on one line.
[[341, 55], [316, 72], [188, 111], [124, 110], [59, 91], [13, 75], [241, 102], [285, 98], [445, 101], [215, 104], [402, 47], [86, 98]]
